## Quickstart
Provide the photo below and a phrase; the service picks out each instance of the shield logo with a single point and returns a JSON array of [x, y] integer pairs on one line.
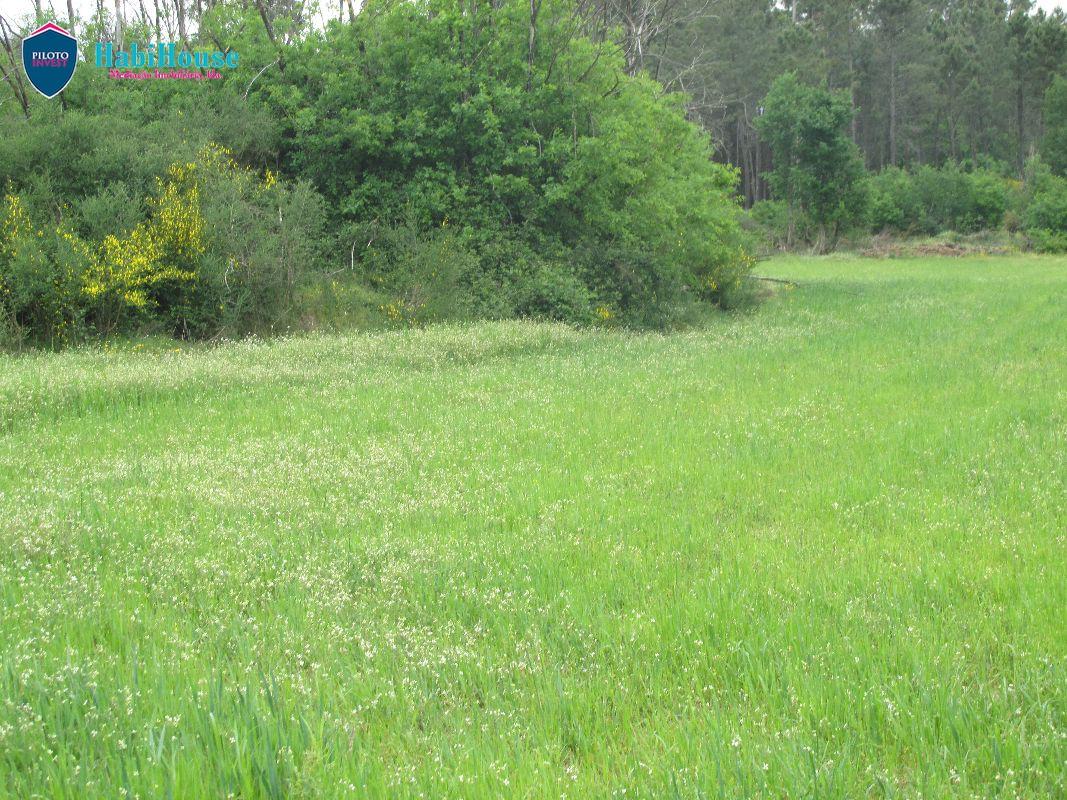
[[49, 56]]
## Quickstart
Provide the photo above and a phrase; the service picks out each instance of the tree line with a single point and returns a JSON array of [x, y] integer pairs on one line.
[[927, 82]]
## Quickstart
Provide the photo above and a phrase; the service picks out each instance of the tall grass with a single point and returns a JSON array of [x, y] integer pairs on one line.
[[818, 550]]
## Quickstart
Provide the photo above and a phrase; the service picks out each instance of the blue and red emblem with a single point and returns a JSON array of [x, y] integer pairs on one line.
[[49, 56]]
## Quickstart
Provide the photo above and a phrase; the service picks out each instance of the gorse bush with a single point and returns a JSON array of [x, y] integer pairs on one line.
[[264, 238], [219, 250], [441, 273], [42, 271], [421, 273], [152, 270]]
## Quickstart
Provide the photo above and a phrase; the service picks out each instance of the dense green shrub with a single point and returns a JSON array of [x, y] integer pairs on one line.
[[1043, 240], [1039, 207], [517, 278], [1045, 219], [769, 221], [420, 273], [478, 172], [69, 166], [932, 200], [263, 239], [895, 204], [552, 290], [221, 250], [954, 200], [76, 154], [777, 226], [41, 269], [430, 115], [430, 275], [989, 195]]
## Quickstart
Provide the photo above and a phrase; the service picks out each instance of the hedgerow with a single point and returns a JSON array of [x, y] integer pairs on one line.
[[427, 152]]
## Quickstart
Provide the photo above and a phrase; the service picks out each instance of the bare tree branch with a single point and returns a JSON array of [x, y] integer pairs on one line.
[[13, 75]]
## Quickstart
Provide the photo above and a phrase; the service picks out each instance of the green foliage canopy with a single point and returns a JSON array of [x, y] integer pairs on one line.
[[446, 116]]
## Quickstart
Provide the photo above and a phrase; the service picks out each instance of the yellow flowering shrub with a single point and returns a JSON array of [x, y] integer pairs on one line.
[[605, 314], [220, 248], [404, 311], [14, 224], [40, 274], [157, 259]]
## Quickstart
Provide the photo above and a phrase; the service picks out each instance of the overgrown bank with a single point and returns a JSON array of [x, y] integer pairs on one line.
[[423, 159]]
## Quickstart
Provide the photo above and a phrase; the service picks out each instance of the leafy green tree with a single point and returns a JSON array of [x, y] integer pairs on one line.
[[817, 168]]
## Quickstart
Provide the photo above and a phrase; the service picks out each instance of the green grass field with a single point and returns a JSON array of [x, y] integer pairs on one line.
[[815, 550]]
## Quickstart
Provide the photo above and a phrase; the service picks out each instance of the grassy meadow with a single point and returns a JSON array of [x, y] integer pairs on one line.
[[816, 550]]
